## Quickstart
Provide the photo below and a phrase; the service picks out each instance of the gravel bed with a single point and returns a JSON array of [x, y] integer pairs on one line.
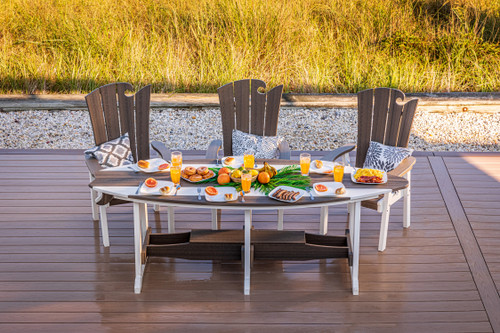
[[304, 129]]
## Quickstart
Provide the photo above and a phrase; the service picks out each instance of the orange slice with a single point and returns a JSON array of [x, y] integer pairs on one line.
[[320, 188], [163, 166], [151, 182], [210, 190]]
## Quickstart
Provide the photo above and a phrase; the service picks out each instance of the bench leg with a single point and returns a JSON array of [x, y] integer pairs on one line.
[[171, 220], [247, 259], [216, 217], [280, 218], [139, 266], [323, 220], [407, 202], [156, 208]]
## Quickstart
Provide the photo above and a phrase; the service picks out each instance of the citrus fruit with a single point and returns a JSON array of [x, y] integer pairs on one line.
[[224, 171], [150, 182], [254, 172], [163, 166], [210, 190], [236, 174], [263, 177], [321, 188], [223, 179]]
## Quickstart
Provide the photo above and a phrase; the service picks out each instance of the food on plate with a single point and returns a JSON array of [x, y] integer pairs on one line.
[[263, 177], [340, 190], [143, 164], [151, 182], [319, 164], [228, 196], [328, 171], [195, 178], [163, 166], [224, 171], [285, 195], [165, 190], [369, 179], [223, 179], [229, 161], [320, 188], [369, 176], [208, 174], [190, 170], [203, 170], [210, 190]]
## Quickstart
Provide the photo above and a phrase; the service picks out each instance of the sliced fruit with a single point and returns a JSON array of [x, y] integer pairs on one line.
[[254, 172], [264, 177], [236, 174], [224, 171], [163, 166], [210, 190], [320, 188], [223, 179], [151, 182]]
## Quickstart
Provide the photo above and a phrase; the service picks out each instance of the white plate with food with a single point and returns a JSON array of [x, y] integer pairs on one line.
[[152, 165], [329, 189], [163, 187], [197, 174], [232, 161], [287, 194], [224, 194], [369, 176], [323, 167]]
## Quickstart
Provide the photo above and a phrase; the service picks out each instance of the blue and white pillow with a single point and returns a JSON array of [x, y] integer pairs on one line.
[[261, 146], [113, 153], [383, 157]]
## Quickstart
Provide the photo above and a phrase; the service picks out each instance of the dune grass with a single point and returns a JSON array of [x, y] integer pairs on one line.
[[198, 45]]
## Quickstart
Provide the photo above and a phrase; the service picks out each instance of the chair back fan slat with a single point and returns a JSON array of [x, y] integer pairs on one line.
[[96, 113], [273, 111], [384, 117], [142, 104], [110, 107], [242, 105], [125, 105], [258, 107], [226, 100]]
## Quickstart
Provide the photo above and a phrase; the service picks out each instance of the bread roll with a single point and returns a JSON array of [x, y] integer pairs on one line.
[[340, 190], [190, 170], [195, 178], [229, 161], [203, 170], [143, 164]]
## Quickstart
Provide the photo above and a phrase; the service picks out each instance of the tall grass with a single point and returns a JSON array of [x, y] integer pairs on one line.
[[198, 45]]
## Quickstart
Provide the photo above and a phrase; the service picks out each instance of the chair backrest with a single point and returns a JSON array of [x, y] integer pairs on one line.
[[383, 117], [113, 114], [244, 108]]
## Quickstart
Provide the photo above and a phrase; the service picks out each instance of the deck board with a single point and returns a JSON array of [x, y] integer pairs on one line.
[[55, 275]]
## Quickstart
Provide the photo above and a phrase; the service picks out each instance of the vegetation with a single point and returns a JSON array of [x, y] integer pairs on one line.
[[196, 46]]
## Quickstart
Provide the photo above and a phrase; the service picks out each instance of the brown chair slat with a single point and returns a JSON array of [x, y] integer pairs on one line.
[[110, 107], [258, 107], [242, 105], [406, 122], [94, 104], [381, 108], [394, 118], [142, 103], [273, 110], [226, 100], [365, 113], [125, 105]]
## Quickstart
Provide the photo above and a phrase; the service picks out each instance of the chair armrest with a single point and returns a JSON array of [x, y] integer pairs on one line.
[[404, 167], [213, 148], [92, 164], [334, 154], [284, 150], [160, 148]]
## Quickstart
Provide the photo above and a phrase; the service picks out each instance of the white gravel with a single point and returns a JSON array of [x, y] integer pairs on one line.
[[304, 129]]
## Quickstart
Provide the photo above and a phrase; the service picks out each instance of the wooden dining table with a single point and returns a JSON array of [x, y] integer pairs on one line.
[[122, 183]]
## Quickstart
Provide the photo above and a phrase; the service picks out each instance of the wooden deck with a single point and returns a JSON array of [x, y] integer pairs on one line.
[[441, 275]]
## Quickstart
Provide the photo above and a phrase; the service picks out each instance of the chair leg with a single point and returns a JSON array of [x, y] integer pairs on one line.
[[93, 205], [104, 225], [384, 224], [281, 213], [407, 202]]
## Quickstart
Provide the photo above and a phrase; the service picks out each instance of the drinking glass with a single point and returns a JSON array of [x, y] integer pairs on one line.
[[246, 181], [220, 156], [175, 174], [176, 158], [248, 160], [305, 163], [338, 172]]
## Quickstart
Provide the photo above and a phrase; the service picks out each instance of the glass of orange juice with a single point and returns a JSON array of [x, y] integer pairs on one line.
[[176, 158], [248, 160], [305, 163], [175, 174], [246, 181], [338, 172]]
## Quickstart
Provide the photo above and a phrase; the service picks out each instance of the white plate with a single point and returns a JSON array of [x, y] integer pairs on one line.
[[190, 181], [330, 192], [384, 178], [154, 163], [325, 169], [238, 161], [288, 188], [156, 190], [220, 197]]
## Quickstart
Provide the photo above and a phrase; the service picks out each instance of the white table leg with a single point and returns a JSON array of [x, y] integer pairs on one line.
[[407, 202], [103, 219], [214, 219], [355, 233], [248, 227], [323, 220], [384, 223], [139, 267], [143, 209], [280, 219], [171, 220]]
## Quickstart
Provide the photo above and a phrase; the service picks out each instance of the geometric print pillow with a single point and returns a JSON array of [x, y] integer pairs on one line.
[[384, 157], [113, 153], [261, 146]]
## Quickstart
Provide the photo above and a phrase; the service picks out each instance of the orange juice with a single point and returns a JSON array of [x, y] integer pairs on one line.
[[305, 163], [176, 158], [338, 173], [246, 182], [248, 160], [175, 174]]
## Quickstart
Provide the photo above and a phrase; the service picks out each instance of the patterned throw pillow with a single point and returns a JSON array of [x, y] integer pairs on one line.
[[384, 157], [261, 146], [113, 153]]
